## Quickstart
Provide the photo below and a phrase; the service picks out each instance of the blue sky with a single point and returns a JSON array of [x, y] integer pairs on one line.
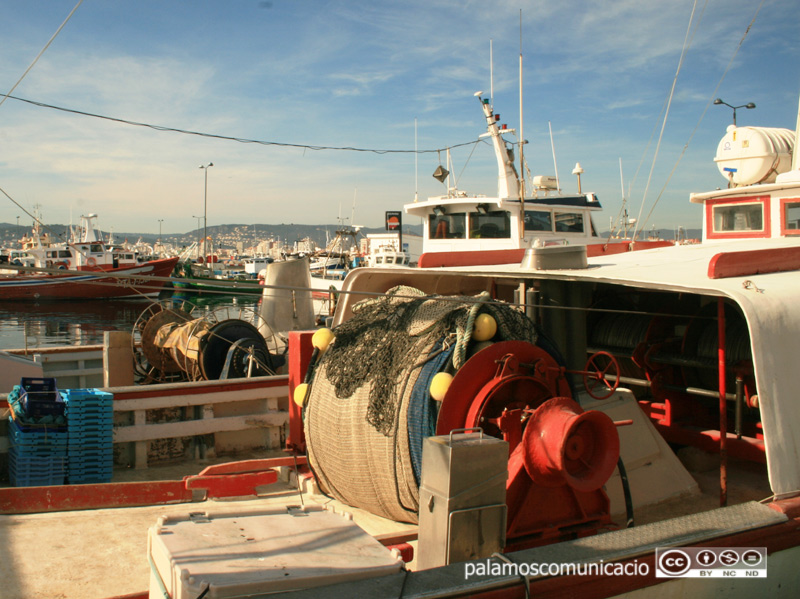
[[353, 73]]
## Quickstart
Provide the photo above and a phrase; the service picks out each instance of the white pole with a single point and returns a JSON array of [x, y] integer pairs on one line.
[[491, 74], [416, 164], [553, 149]]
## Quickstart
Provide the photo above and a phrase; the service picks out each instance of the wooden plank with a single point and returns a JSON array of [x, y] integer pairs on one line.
[[190, 428], [29, 500], [151, 397], [67, 357], [199, 399]]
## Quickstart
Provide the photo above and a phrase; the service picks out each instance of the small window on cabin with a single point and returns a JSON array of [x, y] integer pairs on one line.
[[791, 215], [51, 254], [95, 247], [569, 222], [537, 220], [490, 225], [738, 217], [64, 254], [447, 226], [379, 260]]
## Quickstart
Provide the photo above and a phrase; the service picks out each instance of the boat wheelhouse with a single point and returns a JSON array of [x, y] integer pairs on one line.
[[461, 228]]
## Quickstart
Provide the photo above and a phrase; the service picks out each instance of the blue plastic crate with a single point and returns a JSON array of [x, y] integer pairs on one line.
[[89, 461], [37, 435], [34, 471], [81, 441], [88, 446], [90, 480], [92, 453], [90, 475], [39, 397], [88, 425], [86, 395], [83, 402]]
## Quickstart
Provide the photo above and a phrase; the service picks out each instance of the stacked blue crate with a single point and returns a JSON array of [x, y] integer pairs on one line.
[[90, 418], [37, 455], [37, 434]]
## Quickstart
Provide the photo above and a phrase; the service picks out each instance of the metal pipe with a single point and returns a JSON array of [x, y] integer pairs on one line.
[[723, 406], [739, 401], [688, 390]]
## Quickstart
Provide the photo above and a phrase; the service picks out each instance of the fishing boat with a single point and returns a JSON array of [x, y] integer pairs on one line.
[[83, 268], [460, 228], [208, 279], [614, 425]]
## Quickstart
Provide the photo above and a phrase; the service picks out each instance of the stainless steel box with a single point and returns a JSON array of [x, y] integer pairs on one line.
[[462, 511], [555, 257]]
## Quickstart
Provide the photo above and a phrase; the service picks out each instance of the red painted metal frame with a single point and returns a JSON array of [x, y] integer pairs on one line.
[[234, 479], [741, 264], [784, 230], [723, 405], [300, 351], [765, 207]]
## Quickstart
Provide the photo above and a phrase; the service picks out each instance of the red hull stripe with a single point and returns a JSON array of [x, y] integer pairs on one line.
[[515, 256], [741, 264]]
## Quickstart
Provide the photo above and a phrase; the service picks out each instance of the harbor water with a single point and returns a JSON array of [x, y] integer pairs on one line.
[[70, 323]]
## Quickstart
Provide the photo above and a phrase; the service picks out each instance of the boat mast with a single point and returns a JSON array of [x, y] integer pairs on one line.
[[521, 142], [553, 150], [507, 180]]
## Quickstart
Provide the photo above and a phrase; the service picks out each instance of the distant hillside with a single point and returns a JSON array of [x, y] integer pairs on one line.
[[251, 234], [287, 233]]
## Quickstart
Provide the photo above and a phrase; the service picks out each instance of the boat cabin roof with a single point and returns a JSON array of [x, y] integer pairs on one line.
[[478, 203]]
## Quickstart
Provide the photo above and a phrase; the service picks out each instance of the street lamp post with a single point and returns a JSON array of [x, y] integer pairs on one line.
[[198, 233], [749, 106], [205, 168]]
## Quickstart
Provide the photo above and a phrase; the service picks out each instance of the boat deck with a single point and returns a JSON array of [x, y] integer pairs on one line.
[[98, 554], [102, 553]]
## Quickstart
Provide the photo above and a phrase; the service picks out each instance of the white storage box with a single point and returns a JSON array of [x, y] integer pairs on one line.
[[239, 554]]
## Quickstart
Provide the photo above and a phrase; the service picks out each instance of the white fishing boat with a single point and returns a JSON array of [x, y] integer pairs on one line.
[[460, 228]]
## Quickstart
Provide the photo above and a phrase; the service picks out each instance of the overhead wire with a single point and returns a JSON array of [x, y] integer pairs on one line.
[[243, 140]]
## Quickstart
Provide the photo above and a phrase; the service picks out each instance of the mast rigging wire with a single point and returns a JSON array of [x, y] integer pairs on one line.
[[703, 114], [687, 42], [38, 56]]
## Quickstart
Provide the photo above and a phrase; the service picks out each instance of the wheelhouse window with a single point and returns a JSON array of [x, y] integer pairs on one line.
[[538, 220], [569, 222], [447, 226], [490, 225], [64, 254], [96, 248], [790, 216], [738, 219]]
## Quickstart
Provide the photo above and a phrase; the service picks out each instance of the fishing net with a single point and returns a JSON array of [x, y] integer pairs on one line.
[[373, 376]]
